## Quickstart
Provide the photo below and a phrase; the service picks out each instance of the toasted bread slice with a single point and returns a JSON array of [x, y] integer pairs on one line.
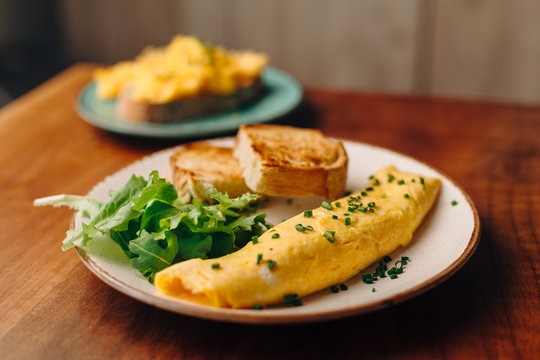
[[200, 166], [288, 161], [186, 109]]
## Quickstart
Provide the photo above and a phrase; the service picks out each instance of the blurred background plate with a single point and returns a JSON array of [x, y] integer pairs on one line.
[[283, 94]]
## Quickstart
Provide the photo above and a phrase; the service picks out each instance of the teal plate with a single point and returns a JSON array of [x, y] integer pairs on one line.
[[283, 93]]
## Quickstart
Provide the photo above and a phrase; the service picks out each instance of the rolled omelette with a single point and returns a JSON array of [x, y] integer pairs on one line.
[[310, 253]]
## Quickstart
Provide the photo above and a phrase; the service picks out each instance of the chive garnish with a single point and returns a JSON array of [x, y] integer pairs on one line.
[[348, 221], [363, 193], [300, 227], [387, 258], [308, 213], [271, 264], [401, 182], [371, 204], [390, 178], [330, 236], [334, 216], [255, 239], [292, 299], [422, 182], [259, 258], [338, 204], [406, 196], [334, 289], [343, 287], [258, 307], [326, 205], [454, 203], [367, 278], [275, 236], [369, 189], [215, 266]]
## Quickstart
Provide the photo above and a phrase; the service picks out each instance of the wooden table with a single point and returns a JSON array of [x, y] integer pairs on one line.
[[54, 308]]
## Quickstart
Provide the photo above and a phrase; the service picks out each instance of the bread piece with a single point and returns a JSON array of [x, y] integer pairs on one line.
[[188, 108], [200, 166], [288, 161]]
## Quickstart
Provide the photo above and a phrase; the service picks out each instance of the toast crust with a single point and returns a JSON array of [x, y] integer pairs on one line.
[[188, 108], [287, 161], [198, 167]]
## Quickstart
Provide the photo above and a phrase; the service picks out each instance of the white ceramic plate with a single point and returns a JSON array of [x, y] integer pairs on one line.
[[441, 245]]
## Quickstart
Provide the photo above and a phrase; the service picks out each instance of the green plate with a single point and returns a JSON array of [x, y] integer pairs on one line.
[[283, 94]]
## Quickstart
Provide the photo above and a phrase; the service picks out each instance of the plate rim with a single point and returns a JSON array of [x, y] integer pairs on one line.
[[250, 316], [174, 130]]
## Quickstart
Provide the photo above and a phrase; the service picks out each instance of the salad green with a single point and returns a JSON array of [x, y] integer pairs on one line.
[[155, 228]]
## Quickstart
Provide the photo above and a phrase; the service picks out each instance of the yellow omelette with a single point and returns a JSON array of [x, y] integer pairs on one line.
[[310, 253]]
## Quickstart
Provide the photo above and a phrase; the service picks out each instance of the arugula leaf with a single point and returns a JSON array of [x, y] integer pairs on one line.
[[152, 256], [155, 229]]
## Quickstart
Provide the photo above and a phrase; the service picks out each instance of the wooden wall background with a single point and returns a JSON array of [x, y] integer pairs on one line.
[[464, 48]]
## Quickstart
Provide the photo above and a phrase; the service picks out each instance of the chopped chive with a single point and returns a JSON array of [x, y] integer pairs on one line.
[[289, 201], [363, 193], [343, 287], [369, 189], [454, 203], [390, 178], [372, 289], [348, 221], [334, 216], [300, 227], [371, 204], [309, 227], [351, 209], [330, 236], [376, 182], [275, 236], [258, 307], [387, 258], [401, 182], [338, 204], [413, 180], [271, 264], [308, 213], [347, 193], [259, 258], [367, 278], [406, 196], [292, 299], [423, 182], [363, 209], [255, 239], [326, 205], [393, 276], [345, 214], [215, 266], [334, 289], [371, 177]]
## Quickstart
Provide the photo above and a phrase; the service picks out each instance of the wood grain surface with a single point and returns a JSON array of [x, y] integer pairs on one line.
[[54, 308]]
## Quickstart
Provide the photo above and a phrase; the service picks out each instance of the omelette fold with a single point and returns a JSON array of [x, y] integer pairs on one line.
[[312, 250]]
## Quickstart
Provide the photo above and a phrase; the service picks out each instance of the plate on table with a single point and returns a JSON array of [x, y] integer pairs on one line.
[[443, 243], [283, 93]]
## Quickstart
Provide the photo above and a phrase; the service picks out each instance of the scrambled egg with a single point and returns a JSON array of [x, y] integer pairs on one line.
[[187, 67], [329, 250]]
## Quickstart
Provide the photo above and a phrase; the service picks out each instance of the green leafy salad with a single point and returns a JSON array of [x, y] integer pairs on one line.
[[155, 228]]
